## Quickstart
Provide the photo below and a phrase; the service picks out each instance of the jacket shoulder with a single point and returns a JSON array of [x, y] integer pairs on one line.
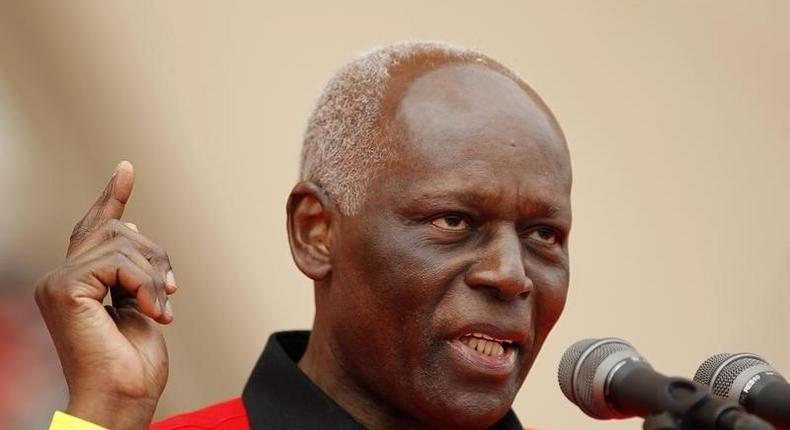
[[228, 415]]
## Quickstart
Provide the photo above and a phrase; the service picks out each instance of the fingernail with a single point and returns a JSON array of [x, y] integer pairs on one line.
[[132, 226], [168, 307], [170, 280], [123, 164]]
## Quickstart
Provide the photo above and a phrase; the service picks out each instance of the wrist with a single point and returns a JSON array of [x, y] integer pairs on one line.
[[112, 411]]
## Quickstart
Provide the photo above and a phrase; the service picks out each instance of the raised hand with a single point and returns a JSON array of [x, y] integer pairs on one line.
[[114, 357]]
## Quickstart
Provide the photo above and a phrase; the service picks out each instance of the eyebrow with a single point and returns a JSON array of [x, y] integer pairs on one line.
[[474, 198]]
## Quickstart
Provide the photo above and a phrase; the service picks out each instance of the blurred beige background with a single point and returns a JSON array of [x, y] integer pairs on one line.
[[677, 113]]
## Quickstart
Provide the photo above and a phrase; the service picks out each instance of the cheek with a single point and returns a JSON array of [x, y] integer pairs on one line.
[[392, 286], [551, 293], [403, 276], [395, 289]]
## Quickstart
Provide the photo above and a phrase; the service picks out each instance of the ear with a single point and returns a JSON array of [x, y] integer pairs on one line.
[[310, 216]]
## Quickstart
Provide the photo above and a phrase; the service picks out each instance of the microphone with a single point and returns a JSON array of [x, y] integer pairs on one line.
[[608, 379], [749, 380]]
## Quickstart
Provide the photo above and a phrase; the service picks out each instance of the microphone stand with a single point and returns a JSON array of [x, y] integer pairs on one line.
[[661, 421], [687, 405]]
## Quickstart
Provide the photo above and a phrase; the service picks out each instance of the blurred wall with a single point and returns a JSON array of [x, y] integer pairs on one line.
[[677, 114]]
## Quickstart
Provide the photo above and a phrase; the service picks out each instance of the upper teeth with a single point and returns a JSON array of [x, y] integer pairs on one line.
[[485, 344], [487, 337]]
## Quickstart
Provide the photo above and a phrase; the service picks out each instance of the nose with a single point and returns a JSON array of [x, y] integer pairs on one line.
[[500, 268]]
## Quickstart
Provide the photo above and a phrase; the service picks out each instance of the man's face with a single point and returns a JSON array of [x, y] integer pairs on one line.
[[454, 270]]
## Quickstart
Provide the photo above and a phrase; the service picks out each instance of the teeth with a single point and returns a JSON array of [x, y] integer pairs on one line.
[[485, 345]]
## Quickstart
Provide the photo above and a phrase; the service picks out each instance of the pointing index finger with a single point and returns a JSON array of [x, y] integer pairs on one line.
[[109, 205]]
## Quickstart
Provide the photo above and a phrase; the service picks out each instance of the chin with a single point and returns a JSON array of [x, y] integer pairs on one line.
[[460, 397], [464, 409]]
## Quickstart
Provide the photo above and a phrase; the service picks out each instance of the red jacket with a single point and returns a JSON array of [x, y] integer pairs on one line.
[[282, 395], [228, 415]]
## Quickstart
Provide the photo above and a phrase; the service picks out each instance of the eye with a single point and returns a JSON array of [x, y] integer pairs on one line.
[[451, 222], [545, 236]]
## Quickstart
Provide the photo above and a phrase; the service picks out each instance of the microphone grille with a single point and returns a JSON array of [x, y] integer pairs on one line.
[[568, 364], [708, 368], [721, 371], [578, 367]]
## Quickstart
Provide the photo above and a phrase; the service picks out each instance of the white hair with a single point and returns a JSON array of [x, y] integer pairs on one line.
[[345, 140]]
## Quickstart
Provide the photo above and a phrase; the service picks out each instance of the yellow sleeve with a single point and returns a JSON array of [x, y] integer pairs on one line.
[[61, 421]]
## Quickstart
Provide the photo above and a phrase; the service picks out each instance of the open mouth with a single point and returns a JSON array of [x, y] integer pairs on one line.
[[484, 354], [487, 345]]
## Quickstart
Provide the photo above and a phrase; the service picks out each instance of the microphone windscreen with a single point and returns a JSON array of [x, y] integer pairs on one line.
[[723, 373], [578, 367]]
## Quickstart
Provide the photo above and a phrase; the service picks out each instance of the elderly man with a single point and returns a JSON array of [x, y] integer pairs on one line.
[[433, 216]]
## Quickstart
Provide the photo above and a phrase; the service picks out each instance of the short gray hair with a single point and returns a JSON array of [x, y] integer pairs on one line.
[[345, 140]]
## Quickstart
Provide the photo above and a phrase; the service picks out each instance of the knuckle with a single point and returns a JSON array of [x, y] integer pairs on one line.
[[123, 243], [51, 287], [79, 231], [113, 227], [118, 258], [113, 224], [158, 282], [145, 281], [160, 255], [41, 291]]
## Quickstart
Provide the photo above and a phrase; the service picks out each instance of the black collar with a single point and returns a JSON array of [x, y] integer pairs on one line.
[[279, 396]]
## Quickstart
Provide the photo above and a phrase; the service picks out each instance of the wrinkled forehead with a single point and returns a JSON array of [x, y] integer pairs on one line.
[[467, 112]]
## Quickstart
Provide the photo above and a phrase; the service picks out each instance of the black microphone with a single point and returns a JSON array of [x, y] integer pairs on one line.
[[608, 379], [749, 380]]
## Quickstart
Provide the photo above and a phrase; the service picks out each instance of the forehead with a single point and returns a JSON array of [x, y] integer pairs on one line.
[[468, 99], [470, 127]]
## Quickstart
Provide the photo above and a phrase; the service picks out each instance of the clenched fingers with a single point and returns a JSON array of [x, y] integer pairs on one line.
[[89, 281], [152, 252], [132, 251]]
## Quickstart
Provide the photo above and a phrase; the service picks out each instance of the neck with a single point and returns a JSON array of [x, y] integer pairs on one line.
[[321, 365]]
